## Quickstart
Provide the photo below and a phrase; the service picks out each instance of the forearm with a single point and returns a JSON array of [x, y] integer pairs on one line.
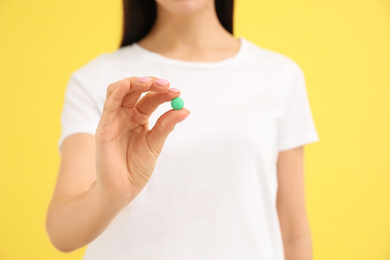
[[298, 248], [73, 222]]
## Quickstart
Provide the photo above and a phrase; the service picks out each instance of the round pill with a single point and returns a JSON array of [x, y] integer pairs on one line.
[[177, 103]]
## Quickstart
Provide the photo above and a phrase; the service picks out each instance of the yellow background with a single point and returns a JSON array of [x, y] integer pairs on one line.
[[342, 46]]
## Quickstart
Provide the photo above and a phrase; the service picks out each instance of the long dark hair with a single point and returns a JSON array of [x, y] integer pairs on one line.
[[140, 15]]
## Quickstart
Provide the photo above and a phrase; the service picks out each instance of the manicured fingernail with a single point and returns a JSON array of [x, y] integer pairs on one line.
[[161, 82], [143, 79], [184, 118], [173, 90]]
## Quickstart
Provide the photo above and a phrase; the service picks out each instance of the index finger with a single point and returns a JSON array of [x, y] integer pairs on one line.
[[142, 85]]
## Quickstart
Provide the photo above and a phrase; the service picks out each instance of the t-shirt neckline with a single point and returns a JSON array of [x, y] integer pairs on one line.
[[193, 64]]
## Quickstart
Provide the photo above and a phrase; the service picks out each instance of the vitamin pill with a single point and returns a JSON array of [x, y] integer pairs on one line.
[[177, 103]]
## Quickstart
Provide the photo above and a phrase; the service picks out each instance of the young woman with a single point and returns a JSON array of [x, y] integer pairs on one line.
[[228, 183]]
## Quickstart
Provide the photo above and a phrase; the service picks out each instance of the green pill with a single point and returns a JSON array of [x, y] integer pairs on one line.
[[177, 103]]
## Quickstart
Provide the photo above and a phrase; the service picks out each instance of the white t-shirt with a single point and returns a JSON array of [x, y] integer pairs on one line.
[[213, 192]]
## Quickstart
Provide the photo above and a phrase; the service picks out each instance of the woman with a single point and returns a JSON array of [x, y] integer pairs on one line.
[[228, 183]]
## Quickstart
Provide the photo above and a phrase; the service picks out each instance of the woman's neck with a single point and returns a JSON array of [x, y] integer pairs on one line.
[[198, 36]]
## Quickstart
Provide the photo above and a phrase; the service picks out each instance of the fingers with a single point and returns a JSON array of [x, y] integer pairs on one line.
[[141, 85], [164, 125], [125, 93], [115, 94], [150, 102]]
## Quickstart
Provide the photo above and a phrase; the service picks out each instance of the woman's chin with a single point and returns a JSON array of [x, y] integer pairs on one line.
[[184, 7]]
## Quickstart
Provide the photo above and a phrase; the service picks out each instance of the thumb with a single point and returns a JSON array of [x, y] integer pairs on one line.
[[164, 126]]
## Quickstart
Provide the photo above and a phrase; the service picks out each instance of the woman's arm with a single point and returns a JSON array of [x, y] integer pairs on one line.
[[99, 175], [291, 205], [79, 212]]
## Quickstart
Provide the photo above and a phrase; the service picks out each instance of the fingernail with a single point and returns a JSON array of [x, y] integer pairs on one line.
[[143, 79], [173, 90], [184, 117], [161, 82], [120, 82]]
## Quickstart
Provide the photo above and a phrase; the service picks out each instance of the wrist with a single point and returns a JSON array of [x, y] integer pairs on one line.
[[107, 197]]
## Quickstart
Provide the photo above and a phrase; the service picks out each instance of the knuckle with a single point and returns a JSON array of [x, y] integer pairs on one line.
[[165, 128], [107, 106], [158, 130], [110, 89]]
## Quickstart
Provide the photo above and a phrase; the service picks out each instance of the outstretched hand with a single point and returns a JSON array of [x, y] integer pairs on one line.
[[126, 150]]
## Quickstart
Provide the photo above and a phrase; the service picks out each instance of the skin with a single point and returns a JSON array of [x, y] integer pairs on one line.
[[100, 174]]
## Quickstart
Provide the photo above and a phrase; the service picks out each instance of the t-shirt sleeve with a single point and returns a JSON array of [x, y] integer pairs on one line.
[[80, 112], [297, 126]]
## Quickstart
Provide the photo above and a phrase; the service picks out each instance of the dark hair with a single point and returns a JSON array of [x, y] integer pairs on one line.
[[140, 15]]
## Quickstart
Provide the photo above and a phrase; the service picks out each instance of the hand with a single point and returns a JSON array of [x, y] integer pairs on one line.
[[126, 150]]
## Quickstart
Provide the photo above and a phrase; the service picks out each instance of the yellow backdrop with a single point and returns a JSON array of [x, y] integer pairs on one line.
[[342, 46]]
